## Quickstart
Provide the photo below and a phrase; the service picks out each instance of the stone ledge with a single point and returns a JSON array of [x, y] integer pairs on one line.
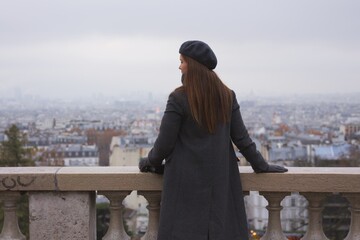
[[298, 179], [305, 179], [28, 178], [107, 179]]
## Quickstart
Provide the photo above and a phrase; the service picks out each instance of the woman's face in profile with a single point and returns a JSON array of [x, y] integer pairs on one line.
[[183, 65]]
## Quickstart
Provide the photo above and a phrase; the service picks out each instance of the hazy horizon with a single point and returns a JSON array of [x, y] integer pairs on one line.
[[90, 48]]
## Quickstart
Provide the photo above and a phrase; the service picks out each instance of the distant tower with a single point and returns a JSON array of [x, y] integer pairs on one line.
[[276, 119], [53, 123]]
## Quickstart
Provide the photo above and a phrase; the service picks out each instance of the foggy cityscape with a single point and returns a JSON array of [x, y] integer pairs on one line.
[[321, 119]]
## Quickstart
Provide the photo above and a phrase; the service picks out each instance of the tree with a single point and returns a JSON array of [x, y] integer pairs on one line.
[[12, 151], [14, 154]]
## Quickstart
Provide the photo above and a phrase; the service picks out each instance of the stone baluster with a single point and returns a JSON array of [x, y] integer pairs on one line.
[[354, 231], [116, 228], [315, 229], [274, 230], [11, 227], [153, 198]]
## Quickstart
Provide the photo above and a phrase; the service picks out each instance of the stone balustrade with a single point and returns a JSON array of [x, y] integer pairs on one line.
[[62, 199]]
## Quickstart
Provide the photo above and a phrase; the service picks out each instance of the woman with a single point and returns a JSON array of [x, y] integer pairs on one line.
[[202, 194]]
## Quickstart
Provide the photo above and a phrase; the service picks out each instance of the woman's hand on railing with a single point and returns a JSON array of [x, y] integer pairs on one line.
[[273, 169], [145, 166]]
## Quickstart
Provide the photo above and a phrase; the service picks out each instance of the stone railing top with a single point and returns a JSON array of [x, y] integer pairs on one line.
[[298, 179]]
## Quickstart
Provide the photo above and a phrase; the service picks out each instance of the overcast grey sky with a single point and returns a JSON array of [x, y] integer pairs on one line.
[[271, 47]]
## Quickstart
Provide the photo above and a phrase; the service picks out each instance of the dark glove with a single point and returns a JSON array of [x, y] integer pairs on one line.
[[145, 166], [274, 169], [158, 169]]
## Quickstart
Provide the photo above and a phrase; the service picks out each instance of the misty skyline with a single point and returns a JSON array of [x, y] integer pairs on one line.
[[67, 49]]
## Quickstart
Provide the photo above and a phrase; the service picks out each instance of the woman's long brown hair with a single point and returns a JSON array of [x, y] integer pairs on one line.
[[209, 98]]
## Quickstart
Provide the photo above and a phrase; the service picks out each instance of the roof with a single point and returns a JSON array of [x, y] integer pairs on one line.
[[287, 153], [332, 152], [132, 140], [73, 148]]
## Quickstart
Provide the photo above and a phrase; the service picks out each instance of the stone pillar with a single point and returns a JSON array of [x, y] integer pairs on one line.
[[10, 227], [354, 231], [315, 229], [62, 215], [116, 228], [274, 230], [153, 198]]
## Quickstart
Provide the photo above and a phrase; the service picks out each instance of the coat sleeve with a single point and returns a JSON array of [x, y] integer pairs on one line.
[[168, 134], [242, 140]]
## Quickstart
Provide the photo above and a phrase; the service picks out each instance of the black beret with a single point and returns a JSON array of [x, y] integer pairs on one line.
[[200, 52]]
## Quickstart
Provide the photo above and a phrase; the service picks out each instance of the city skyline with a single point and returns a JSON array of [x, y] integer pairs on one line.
[[87, 48]]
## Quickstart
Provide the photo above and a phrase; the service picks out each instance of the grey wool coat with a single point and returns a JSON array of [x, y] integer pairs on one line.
[[202, 193]]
